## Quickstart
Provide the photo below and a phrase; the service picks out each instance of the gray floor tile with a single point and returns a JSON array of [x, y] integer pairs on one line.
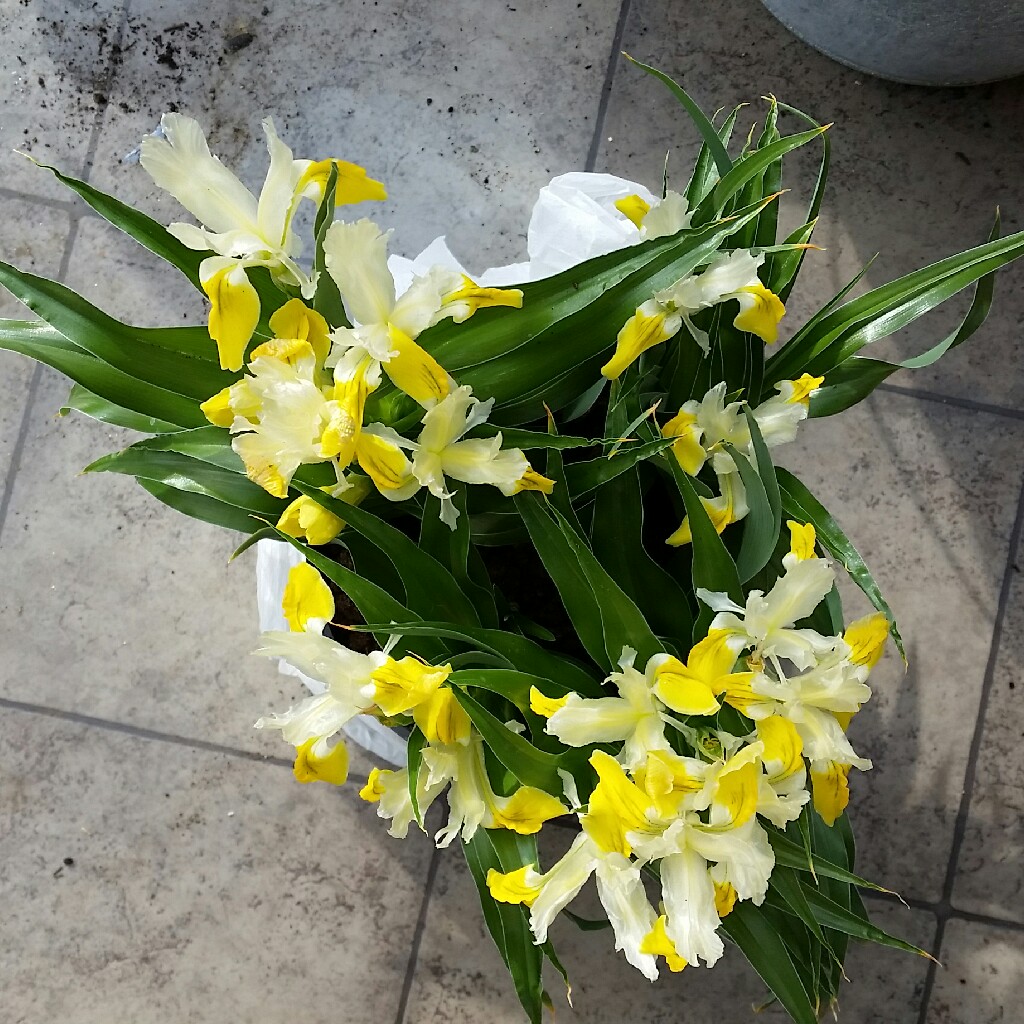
[[460, 978], [990, 877], [33, 239], [202, 887], [54, 83], [983, 980], [463, 117], [916, 173], [928, 494]]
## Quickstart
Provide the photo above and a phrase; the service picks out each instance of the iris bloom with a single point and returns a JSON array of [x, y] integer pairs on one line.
[[442, 451], [661, 317], [241, 230], [387, 326], [701, 429]]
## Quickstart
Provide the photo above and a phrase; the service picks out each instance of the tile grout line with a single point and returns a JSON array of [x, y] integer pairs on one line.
[[606, 87], [927, 906], [417, 937], [140, 732], [960, 403], [63, 205], [944, 908], [65, 262]]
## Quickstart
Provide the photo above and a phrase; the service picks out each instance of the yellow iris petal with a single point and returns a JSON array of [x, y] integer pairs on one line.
[[543, 705], [725, 898], [296, 320], [867, 637], [354, 186], [617, 806], [526, 810], [802, 388], [218, 409], [415, 371], [683, 690], [531, 480], [831, 791], [760, 312], [721, 513], [666, 781], [383, 462], [638, 334], [234, 314], [657, 943], [513, 886], [687, 449], [344, 429], [737, 788], [634, 207], [288, 350], [305, 518], [801, 540], [306, 596], [738, 691], [374, 789], [782, 743], [441, 718], [401, 685], [312, 766], [472, 297]]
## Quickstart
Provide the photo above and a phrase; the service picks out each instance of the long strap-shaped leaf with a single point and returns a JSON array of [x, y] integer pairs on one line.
[[509, 924], [601, 613]]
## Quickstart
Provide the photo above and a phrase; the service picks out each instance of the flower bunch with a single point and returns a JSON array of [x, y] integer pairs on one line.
[[538, 537]]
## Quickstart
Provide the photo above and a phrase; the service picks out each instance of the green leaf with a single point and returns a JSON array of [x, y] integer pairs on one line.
[[327, 299], [122, 347], [617, 539], [41, 342], [454, 550], [855, 378], [798, 502], [832, 915], [132, 222], [413, 759], [789, 855], [429, 587], [208, 444], [583, 477], [827, 342], [705, 172], [509, 924], [713, 567], [200, 506], [745, 170], [603, 616], [707, 130], [768, 955], [188, 474], [532, 767], [84, 401]]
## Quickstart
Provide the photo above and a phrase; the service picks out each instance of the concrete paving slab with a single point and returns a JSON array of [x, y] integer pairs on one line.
[[54, 83], [145, 881], [983, 980], [990, 879], [464, 117], [928, 494]]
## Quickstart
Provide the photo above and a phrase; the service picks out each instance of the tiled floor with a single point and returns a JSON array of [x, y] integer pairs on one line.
[[157, 863]]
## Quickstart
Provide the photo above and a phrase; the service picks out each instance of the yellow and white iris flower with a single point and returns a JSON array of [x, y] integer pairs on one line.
[[766, 623], [442, 451], [346, 675], [387, 325], [733, 276], [702, 428], [241, 230]]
